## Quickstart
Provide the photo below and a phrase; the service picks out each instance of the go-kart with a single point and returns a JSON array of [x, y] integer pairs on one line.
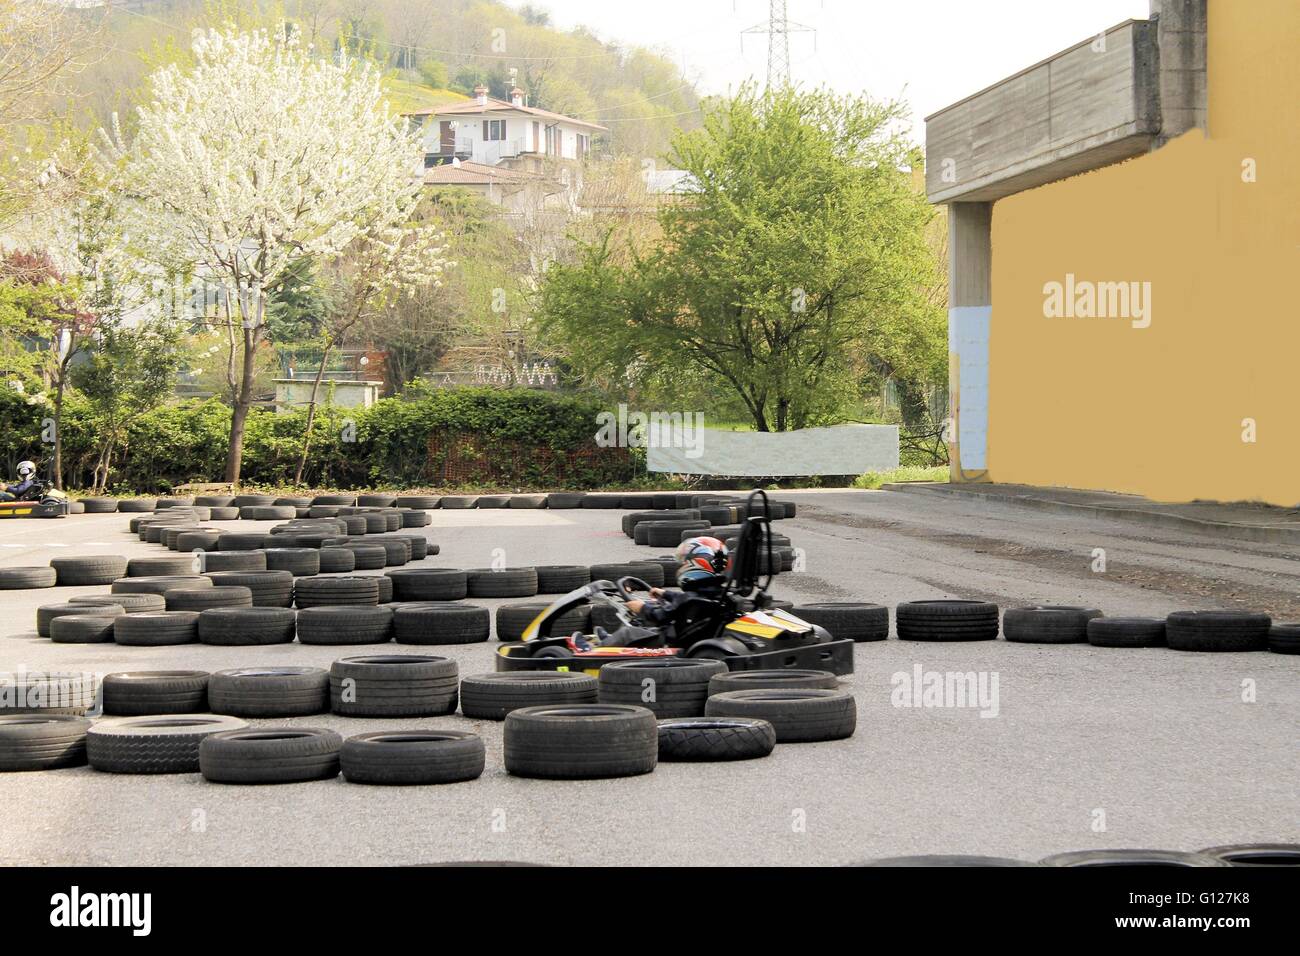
[[37, 501], [728, 618]]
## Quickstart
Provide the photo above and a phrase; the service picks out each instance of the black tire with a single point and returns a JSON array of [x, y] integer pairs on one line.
[[668, 534], [421, 502], [418, 544], [847, 620], [247, 626], [368, 557], [46, 613], [270, 755], [41, 741], [330, 592], [1256, 854], [492, 501], [160, 585], [83, 571], [799, 716], [508, 582], [300, 562], [1130, 858], [415, 519], [268, 588], [790, 677], [234, 561], [527, 501], [393, 685], [337, 561], [32, 692], [428, 584], [493, 696], [345, 624], [581, 741], [457, 501], [397, 551], [452, 623], [215, 501], [240, 541], [167, 743], [715, 738], [267, 512], [195, 541], [157, 628], [200, 599], [946, 620], [1217, 631], [1284, 638], [607, 502], [140, 693], [561, 578], [221, 513], [164, 504], [133, 505], [131, 603], [1047, 624], [412, 757], [562, 499], [667, 686], [18, 579], [269, 692], [348, 500], [636, 501], [99, 506], [376, 501], [159, 567], [651, 572], [1126, 632], [630, 520], [92, 627]]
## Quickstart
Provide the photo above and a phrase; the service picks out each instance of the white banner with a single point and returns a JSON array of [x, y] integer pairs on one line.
[[839, 450]]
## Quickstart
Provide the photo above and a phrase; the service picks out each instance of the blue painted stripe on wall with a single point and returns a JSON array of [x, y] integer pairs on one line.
[[968, 339]]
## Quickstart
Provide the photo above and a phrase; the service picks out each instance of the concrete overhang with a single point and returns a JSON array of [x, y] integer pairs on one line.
[[1091, 105]]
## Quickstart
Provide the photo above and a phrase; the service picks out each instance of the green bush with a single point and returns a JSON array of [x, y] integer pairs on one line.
[[518, 437]]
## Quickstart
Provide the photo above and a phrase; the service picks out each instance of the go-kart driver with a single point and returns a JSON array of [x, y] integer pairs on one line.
[[26, 479], [703, 563]]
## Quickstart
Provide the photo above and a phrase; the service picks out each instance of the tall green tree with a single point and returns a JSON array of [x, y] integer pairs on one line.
[[800, 255], [131, 371]]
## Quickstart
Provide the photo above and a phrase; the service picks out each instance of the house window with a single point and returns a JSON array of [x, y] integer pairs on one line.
[[494, 130]]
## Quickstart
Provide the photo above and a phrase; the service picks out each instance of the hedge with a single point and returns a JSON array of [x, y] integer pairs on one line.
[[519, 436]]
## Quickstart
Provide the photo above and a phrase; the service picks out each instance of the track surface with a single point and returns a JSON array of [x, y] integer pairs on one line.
[[1158, 745]]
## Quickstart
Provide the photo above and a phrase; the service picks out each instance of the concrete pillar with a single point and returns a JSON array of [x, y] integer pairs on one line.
[[970, 301], [1181, 64]]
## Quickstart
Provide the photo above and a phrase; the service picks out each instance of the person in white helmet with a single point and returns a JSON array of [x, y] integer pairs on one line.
[[26, 479]]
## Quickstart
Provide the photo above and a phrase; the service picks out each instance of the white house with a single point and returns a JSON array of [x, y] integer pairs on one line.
[[489, 131]]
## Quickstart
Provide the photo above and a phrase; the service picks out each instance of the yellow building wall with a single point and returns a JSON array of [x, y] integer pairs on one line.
[[1096, 403]]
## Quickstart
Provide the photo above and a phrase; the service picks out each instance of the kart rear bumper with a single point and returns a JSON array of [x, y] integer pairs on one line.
[[833, 656], [34, 509]]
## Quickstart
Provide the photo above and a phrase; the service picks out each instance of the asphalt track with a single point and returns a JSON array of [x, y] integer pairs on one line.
[[1089, 747]]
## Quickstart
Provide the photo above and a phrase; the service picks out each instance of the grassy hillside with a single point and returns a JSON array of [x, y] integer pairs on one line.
[[435, 51]]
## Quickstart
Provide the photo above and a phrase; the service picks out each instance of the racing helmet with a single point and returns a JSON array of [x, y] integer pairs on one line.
[[701, 558], [26, 469]]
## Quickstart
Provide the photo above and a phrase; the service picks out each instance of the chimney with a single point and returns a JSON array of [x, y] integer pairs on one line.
[[480, 93], [517, 96]]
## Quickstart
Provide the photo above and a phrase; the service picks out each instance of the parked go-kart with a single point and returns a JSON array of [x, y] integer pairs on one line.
[[729, 619], [38, 501]]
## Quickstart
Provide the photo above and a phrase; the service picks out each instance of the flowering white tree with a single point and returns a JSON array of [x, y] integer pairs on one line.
[[256, 159]]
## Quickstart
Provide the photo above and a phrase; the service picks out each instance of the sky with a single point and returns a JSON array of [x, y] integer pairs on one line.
[[928, 52]]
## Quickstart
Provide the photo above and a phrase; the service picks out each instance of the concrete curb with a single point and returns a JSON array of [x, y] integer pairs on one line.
[[1261, 534]]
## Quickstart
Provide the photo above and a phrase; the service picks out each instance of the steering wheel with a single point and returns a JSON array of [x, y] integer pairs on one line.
[[630, 584]]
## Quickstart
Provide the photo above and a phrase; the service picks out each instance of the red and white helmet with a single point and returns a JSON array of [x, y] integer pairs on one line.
[[700, 556]]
